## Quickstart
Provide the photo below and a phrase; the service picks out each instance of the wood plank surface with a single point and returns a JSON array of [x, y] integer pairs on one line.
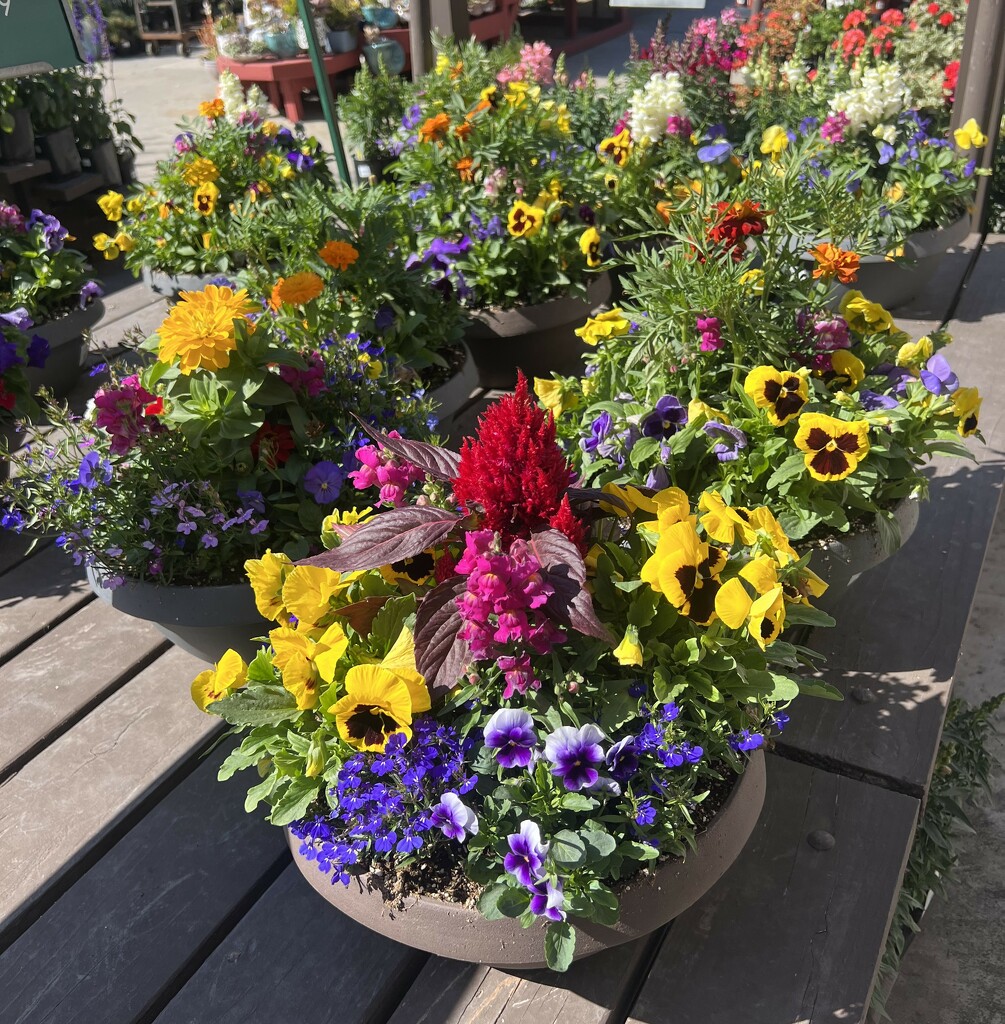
[[35, 595], [900, 627], [60, 810], [119, 942], [295, 958], [596, 990], [794, 931], [55, 681]]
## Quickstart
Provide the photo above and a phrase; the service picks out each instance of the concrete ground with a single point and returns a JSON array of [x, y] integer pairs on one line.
[[948, 975]]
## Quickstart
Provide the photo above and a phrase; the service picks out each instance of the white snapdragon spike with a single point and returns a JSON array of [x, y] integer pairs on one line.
[[232, 94], [793, 73], [877, 95], [885, 132], [660, 98]]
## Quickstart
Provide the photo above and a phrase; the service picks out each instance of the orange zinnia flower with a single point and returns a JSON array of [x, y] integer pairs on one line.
[[434, 128], [833, 261], [340, 255], [464, 169], [212, 110]]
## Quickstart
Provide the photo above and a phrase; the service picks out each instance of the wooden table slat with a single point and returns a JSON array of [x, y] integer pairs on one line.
[[53, 683], [58, 812], [35, 595], [115, 944], [296, 958], [792, 933]]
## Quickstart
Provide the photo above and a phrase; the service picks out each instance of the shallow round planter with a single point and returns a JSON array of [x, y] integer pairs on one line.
[[67, 349], [895, 283], [648, 900], [205, 621], [160, 282], [453, 394], [283, 44], [536, 339], [841, 561]]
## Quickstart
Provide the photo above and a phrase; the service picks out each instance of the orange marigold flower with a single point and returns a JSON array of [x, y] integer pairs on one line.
[[833, 261], [664, 209], [464, 169], [462, 131], [434, 128], [340, 255], [298, 289], [212, 110]]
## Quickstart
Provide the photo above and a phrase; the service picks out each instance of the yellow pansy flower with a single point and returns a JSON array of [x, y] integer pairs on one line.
[[106, 244], [267, 575], [780, 394], [305, 662], [524, 220], [229, 674], [111, 205], [554, 396], [912, 354], [611, 324], [774, 141], [685, 570], [967, 406], [863, 316], [848, 368], [699, 412], [724, 523], [629, 651], [833, 448], [969, 136], [308, 590]]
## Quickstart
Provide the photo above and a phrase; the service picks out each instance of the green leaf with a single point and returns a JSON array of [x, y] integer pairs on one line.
[[488, 904], [805, 615], [293, 804], [559, 945], [513, 902], [578, 802], [257, 705], [601, 844], [604, 905], [260, 670], [818, 688], [568, 849], [261, 792], [790, 469]]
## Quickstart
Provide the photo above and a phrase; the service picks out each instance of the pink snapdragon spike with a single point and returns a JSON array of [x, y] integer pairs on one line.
[[379, 468], [536, 65], [679, 125], [711, 333], [310, 381], [122, 412], [833, 128]]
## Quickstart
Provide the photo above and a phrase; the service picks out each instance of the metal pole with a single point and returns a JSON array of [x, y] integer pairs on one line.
[[980, 89], [324, 89]]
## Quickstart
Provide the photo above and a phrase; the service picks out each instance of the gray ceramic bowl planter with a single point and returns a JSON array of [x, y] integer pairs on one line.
[[205, 621], [648, 901], [453, 394], [67, 349], [536, 339], [840, 562], [170, 286]]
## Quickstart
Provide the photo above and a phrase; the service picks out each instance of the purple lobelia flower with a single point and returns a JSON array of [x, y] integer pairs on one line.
[[575, 754], [938, 377], [746, 740], [666, 419], [525, 861], [323, 482], [872, 400], [546, 900], [623, 759], [645, 813], [18, 319], [453, 818], [729, 441], [510, 732]]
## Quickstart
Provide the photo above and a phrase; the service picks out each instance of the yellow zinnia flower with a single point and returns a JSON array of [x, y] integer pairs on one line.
[[229, 674], [212, 110], [833, 447], [199, 331], [205, 198], [267, 575], [299, 289], [611, 324], [200, 171], [524, 220], [111, 205]]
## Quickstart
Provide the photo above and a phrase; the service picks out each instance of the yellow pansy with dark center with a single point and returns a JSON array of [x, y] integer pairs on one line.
[[416, 569], [967, 406], [375, 707], [617, 148], [525, 220], [267, 575], [206, 196], [833, 448], [686, 571], [780, 394], [589, 246]]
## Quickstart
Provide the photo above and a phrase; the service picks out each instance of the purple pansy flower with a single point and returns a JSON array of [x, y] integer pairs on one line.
[[510, 732], [938, 377], [525, 861], [546, 900], [323, 482], [18, 319], [453, 818], [623, 759], [666, 419], [729, 440], [90, 291], [599, 429], [38, 351], [575, 754], [301, 161], [8, 355], [93, 470], [872, 400]]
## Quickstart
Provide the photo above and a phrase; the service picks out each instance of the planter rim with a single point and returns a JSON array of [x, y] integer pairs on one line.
[[594, 294], [648, 901]]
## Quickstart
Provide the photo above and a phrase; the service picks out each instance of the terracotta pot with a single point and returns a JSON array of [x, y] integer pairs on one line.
[[67, 349], [536, 339], [205, 621], [840, 562], [18, 146], [160, 282], [648, 901], [451, 396], [895, 283]]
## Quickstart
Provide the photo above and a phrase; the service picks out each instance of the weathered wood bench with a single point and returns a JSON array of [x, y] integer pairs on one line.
[[134, 888]]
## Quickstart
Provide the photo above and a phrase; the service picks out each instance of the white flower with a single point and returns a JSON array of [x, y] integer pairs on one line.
[[660, 98], [885, 132], [877, 95], [236, 103], [793, 72]]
